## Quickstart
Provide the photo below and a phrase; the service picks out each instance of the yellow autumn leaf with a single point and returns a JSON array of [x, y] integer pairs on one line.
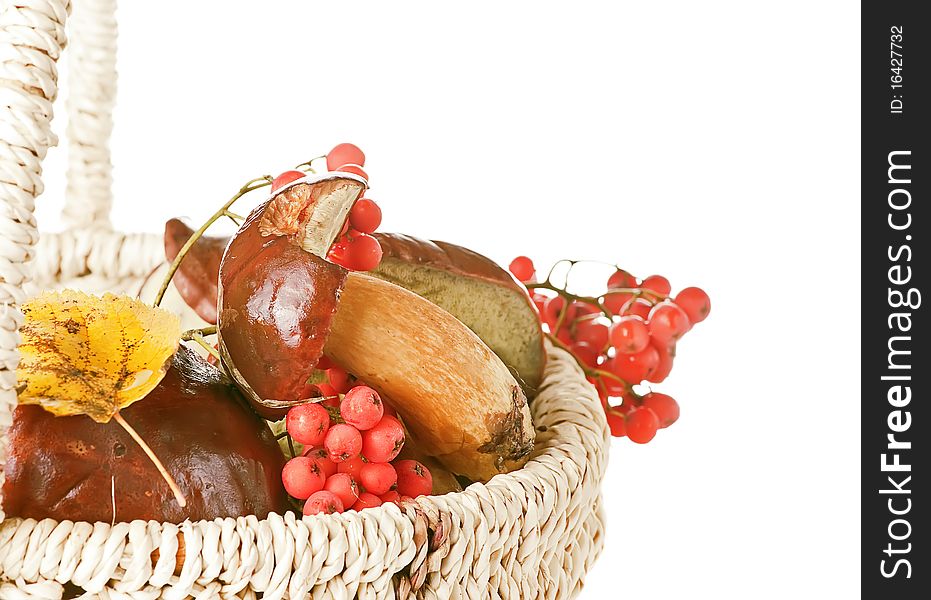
[[93, 355]]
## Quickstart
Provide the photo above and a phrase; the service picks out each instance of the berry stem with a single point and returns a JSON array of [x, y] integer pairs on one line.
[[547, 285], [257, 183], [562, 317], [602, 388], [155, 460], [308, 165], [638, 292], [572, 264], [236, 219], [549, 275], [197, 337], [190, 333]]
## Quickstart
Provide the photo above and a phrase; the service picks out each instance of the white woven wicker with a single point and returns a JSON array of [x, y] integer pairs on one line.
[[532, 533]]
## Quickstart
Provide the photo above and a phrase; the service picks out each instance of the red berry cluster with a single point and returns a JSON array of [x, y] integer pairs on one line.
[[625, 337], [355, 249], [347, 461]]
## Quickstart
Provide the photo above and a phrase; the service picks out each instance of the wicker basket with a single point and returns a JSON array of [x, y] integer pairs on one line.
[[532, 533]]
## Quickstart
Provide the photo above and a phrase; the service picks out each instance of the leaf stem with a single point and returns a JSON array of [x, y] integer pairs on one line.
[[155, 460]]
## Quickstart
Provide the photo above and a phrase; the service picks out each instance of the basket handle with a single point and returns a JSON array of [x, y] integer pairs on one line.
[[32, 35], [89, 105]]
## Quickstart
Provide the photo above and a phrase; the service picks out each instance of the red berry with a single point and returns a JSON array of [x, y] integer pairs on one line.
[[642, 424], [361, 407], [286, 178], [658, 284], [552, 309], [664, 367], [322, 458], [378, 478], [621, 279], [586, 353], [639, 308], [539, 300], [363, 253], [365, 216], [592, 331], [302, 477], [668, 323], [615, 302], [339, 379], [634, 368], [323, 502], [382, 442], [391, 496], [629, 335], [625, 408], [344, 486], [344, 154], [367, 500], [612, 386], [665, 407], [352, 466], [354, 169], [339, 253], [414, 479], [343, 442], [579, 309], [617, 422], [324, 363], [308, 423], [564, 335], [695, 302], [615, 388], [522, 268]]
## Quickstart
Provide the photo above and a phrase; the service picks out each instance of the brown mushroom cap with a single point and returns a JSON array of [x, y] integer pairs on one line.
[[224, 458], [196, 277]]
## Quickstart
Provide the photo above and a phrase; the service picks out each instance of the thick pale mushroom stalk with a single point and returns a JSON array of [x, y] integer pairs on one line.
[[456, 396]]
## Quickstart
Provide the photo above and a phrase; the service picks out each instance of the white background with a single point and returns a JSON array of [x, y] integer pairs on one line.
[[718, 145]]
